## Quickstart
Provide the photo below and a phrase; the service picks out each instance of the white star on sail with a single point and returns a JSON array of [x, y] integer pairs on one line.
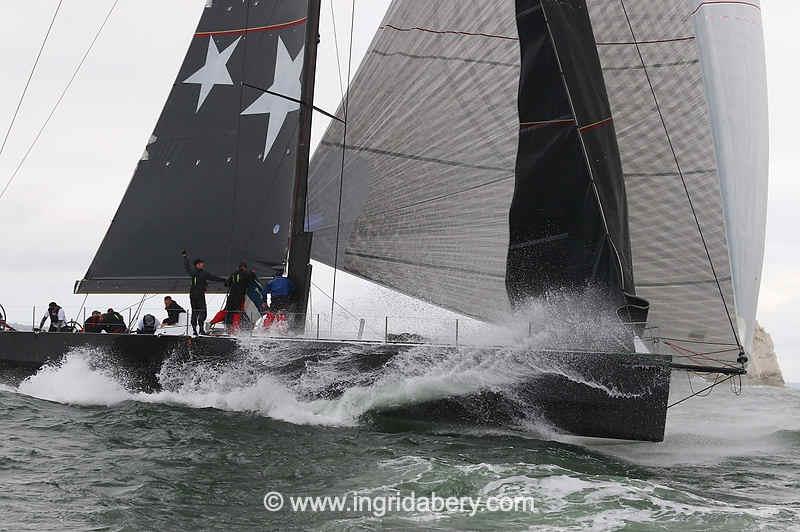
[[286, 82], [214, 72]]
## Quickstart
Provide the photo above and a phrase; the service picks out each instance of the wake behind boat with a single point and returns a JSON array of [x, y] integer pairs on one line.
[[483, 157]]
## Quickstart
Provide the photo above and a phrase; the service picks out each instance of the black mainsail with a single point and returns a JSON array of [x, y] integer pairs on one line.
[[217, 176]]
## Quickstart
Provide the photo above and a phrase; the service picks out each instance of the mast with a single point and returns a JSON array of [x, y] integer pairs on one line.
[[299, 270]]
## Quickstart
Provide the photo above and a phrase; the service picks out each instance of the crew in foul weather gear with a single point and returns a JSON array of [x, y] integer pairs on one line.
[[237, 284], [174, 311], [147, 325], [113, 322], [280, 289], [197, 291], [94, 323], [58, 320]]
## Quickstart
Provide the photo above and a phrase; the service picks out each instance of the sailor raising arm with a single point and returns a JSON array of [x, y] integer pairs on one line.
[[197, 292]]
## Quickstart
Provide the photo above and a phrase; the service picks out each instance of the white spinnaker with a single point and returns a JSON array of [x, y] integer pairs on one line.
[[688, 106], [731, 42]]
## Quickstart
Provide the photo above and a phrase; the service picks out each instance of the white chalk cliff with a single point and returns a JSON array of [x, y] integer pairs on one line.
[[763, 367]]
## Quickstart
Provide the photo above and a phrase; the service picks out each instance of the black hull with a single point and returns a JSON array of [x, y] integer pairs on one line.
[[602, 395]]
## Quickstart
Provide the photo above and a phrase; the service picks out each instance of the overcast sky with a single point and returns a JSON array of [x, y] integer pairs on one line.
[[58, 209]]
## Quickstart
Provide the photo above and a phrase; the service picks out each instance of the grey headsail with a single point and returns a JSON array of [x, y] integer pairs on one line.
[[474, 179], [216, 177], [453, 133]]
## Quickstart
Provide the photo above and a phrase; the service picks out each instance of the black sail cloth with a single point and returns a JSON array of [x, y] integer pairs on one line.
[[568, 219], [437, 165], [216, 176]]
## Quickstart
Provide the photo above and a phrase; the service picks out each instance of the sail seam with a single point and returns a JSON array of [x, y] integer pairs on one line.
[[446, 162], [441, 197], [680, 283], [450, 32], [245, 30], [546, 123], [723, 2], [593, 125], [652, 65], [672, 174], [445, 58], [583, 146], [683, 180], [422, 264], [652, 41]]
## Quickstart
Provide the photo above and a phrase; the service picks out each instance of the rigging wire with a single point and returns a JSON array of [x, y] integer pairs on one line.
[[146, 298], [343, 307], [135, 318], [714, 384], [344, 152], [58, 102], [336, 45], [683, 178], [30, 76], [78, 314]]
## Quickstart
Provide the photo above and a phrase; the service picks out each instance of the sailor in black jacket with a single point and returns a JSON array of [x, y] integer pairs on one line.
[[197, 292], [238, 283], [174, 311]]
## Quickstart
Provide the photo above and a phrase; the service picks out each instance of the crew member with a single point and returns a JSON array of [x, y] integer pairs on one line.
[[237, 284], [174, 311], [280, 289], [147, 325], [113, 322], [58, 320], [197, 292], [94, 323]]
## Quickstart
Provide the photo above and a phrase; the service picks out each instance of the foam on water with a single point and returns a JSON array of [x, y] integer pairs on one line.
[[78, 381], [424, 374], [588, 484], [418, 375], [75, 381]]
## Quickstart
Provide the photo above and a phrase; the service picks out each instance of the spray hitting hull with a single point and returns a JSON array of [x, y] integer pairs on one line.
[[588, 394]]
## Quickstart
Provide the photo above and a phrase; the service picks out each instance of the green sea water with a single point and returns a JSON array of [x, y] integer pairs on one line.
[[79, 452]]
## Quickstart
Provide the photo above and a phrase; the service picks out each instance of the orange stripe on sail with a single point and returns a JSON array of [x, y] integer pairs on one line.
[[595, 124], [242, 31]]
